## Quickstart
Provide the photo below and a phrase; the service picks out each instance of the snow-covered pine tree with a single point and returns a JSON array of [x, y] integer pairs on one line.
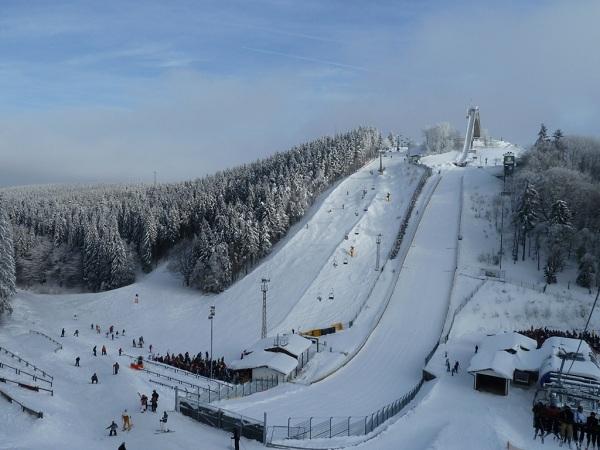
[[527, 214], [587, 269], [7, 261], [542, 138]]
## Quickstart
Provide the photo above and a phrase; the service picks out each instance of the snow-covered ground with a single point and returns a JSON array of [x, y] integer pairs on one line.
[[174, 318], [402, 312]]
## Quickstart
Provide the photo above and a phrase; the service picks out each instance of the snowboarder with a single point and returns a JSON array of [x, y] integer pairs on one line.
[[163, 422], [154, 400], [62, 334], [113, 428], [94, 378], [94, 351], [122, 446], [76, 334], [103, 350], [115, 368], [126, 421], [77, 362]]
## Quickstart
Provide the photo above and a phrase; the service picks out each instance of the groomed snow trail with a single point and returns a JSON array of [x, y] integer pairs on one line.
[[391, 361]]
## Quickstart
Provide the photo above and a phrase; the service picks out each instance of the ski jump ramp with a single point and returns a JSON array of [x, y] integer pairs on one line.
[[473, 131]]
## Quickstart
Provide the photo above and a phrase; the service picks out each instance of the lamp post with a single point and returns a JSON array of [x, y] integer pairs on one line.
[[264, 287], [211, 316], [378, 241]]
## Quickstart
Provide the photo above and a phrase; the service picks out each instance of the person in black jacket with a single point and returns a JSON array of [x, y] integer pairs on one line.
[[591, 426], [113, 429], [538, 422], [122, 446]]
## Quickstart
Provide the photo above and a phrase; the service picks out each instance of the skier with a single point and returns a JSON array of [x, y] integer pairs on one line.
[[476, 348], [122, 446], [76, 334], [77, 362], [103, 350], [113, 428], [141, 341], [456, 366], [134, 343], [150, 348], [116, 368], [111, 328], [136, 299], [123, 332], [120, 351], [62, 334], [112, 336], [126, 422], [163, 422], [92, 327], [94, 378], [94, 350], [154, 400]]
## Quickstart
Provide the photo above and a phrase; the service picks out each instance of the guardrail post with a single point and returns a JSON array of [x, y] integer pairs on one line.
[[365, 424], [330, 419], [289, 418], [310, 428], [349, 425]]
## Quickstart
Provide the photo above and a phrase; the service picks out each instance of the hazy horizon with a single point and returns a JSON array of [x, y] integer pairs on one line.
[[112, 92]]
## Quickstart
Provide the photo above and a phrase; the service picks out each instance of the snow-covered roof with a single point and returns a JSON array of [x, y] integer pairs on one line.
[[293, 344], [280, 362], [553, 348], [507, 341], [503, 353], [499, 362]]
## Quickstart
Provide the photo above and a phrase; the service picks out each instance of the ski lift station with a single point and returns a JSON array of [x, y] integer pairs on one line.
[[511, 358], [278, 357]]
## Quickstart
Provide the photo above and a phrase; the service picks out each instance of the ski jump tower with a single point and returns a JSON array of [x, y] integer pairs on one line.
[[473, 131]]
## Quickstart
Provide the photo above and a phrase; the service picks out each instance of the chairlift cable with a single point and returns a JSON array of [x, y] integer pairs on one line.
[[585, 329]]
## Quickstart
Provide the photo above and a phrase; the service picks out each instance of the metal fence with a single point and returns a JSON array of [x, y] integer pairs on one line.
[[54, 341], [37, 414], [220, 418], [19, 371], [226, 392], [27, 363], [301, 428]]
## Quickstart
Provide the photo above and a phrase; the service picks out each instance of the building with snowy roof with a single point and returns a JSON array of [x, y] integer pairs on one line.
[[279, 357], [499, 355], [512, 357]]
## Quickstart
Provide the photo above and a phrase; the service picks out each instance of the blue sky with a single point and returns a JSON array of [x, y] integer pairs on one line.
[[113, 90]]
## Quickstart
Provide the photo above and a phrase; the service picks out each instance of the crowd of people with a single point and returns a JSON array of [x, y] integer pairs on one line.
[[198, 365], [566, 426], [541, 334]]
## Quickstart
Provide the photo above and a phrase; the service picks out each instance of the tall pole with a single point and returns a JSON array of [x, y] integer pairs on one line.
[[378, 241], [501, 227], [264, 287], [380, 161], [211, 316]]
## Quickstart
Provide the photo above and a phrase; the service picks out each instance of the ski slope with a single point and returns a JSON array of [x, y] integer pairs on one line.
[[174, 318], [392, 360]]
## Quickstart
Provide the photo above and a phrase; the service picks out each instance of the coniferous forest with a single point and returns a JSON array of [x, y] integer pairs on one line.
[[212, 230]]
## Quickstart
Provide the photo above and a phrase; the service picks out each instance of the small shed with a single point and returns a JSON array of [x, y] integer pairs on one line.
[[271, 357], [503, 358]]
